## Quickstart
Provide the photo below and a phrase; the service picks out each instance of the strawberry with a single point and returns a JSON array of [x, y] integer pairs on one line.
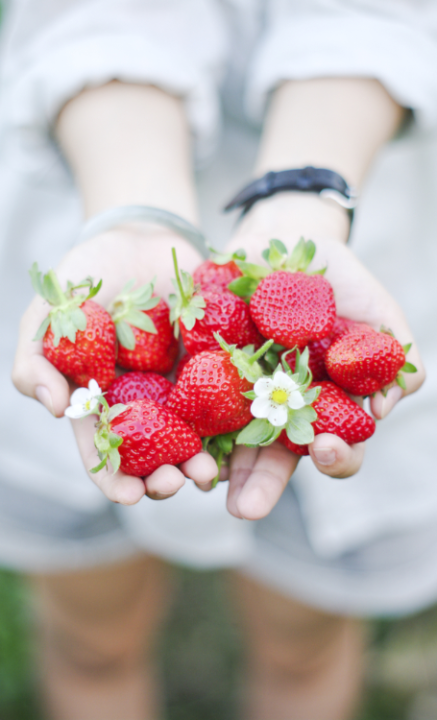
[[181, 364], [220, 271], [141, 436], [138, 385], [318, 348], [208, 394], [78, 334], [145, 336], [200, 315], [336, 414], [363, 362]]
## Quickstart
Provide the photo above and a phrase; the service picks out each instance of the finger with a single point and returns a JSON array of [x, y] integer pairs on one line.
[[333, 457], [118, 487], [164, 482], [266, 482], [202, 468], [242, 461], [32, 373]]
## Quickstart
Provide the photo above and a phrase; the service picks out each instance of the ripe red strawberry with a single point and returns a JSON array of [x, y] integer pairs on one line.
[[210, 275], [208, 394], [181, 364], [288, 305], [78, 334], [201, 314], [336, 414], [318, 348], [293, 308], [143, 435], [364, 362], [219, 271], [138, 385], [146, 340]]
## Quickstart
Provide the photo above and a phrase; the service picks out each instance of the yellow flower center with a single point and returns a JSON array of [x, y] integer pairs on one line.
[[279, 396]]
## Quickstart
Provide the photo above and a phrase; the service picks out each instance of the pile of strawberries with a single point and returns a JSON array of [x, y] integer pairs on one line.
[[267, 358]]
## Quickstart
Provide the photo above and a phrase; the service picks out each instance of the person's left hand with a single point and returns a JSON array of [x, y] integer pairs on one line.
[[258, 476]]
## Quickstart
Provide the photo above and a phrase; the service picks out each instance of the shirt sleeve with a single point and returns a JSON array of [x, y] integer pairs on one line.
[[394, 41], [52, 49]]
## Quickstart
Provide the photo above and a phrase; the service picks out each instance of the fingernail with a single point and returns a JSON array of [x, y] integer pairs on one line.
[[44, 397], [325, 456], [393, 396]]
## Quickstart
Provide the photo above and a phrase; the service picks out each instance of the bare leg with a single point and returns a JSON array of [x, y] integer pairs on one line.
[[303, 664], [96, 631]]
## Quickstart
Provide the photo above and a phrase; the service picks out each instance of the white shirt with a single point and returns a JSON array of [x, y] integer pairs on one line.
[[224, 53]]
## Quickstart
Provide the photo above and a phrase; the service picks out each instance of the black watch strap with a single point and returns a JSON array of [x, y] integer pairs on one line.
[[326, 183]]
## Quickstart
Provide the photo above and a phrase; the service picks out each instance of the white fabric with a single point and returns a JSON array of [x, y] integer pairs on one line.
[[53, 48]]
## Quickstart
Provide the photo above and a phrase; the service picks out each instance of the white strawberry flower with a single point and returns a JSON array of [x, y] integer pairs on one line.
[[84, 401], [274, 397]]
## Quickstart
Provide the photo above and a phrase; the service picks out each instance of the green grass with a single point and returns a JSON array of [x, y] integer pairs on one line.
[[200, 654]]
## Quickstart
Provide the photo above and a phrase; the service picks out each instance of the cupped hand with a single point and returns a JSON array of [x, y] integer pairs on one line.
[[115, 257], [257, 477]]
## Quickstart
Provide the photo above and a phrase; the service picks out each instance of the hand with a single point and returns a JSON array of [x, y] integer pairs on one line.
[[116, 257], [257, 477]]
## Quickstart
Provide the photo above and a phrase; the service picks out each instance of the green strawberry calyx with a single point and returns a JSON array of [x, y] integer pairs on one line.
[[278, 258], [129, 309], [223, 258], [407, 367], [282, 401], [91, 401], [186, 304], [106, 441], [65, 316], [220, 447], [245, 360]]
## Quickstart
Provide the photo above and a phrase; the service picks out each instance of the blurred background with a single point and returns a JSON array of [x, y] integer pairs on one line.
[[201, 657]]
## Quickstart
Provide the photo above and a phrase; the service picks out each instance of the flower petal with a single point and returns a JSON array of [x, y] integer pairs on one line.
[[94, 388], [260, 407], [295, 400], [283, 381], [80, 396], [263, 387], [278, 415], [75, 412]]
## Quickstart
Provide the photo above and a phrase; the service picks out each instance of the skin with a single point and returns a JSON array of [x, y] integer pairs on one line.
[[130, 144]]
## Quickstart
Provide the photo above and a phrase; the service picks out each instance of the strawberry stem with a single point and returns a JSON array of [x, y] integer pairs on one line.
[[219, 461], [178, 278], [259, 353]]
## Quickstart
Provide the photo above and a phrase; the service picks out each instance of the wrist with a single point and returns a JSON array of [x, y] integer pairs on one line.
[[292, 215]]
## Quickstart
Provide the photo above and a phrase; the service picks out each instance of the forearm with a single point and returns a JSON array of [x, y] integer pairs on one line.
[[129, 144], [338, 124]]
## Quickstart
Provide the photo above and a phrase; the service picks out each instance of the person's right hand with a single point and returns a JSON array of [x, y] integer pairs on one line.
[[116, 257]]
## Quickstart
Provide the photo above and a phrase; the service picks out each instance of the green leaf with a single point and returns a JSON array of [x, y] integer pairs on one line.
[[114, 459], [115, 411], [250, 395], [401, 382], [42, 329], [94, 289], [226, 442], [256, 272], [258, 431], [244, 287], [311, 395], [125, 335], [78, 318], [277, 254], [409, 368], [114, 440], [56, 328], [35, 277], [149, 305], [223, 258], [306, 413], [299, 430], [407, 348], [140, 320], [101, 441]]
